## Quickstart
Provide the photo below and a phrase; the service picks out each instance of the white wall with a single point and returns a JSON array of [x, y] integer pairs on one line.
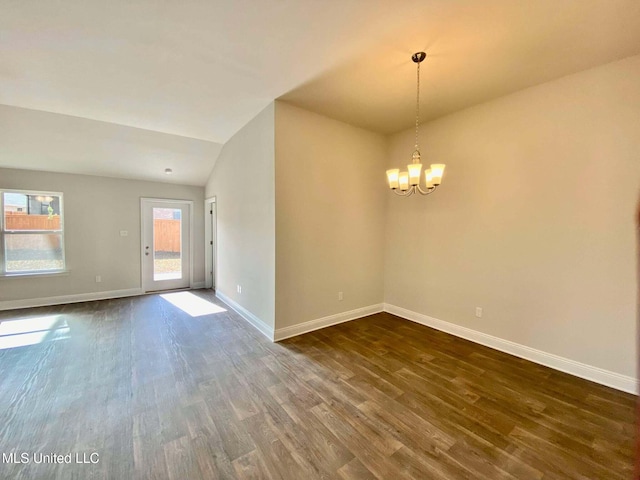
[[534, 220], [44, 141], [330, 202], [242, 181], [95, 210]]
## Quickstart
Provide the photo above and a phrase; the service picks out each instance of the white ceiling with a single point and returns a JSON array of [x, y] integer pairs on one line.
[[202, 69]]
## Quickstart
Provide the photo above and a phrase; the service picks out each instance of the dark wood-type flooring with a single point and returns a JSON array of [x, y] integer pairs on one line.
[[157, 393]]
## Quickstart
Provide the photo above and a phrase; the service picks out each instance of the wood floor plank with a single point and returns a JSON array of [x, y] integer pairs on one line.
[[492, 462], [209, 450], [355, 470], [181, 460], [250, 467], [279, 461], [370, 456], [236, 441], [159, 394], [407, 427], [559, 462]]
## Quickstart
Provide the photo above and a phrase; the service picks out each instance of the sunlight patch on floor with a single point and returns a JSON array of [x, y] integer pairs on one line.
[[192, 304], [22, 332]]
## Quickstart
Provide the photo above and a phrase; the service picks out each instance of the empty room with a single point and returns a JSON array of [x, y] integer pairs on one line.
[[319, 239]]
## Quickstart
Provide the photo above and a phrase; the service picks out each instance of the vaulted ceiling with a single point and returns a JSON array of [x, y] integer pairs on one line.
[[203, 69]]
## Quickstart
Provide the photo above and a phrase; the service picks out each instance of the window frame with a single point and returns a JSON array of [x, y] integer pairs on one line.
[[4, 233]]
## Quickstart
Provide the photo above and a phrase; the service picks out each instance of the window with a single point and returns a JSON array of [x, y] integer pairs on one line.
[[31, 233]]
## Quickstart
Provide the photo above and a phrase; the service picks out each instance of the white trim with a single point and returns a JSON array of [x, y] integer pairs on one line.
[[62, 299], [209, 236], [318, 323], [197, 285], [37, 273], [192, 243], [260, 325], [582, 370]]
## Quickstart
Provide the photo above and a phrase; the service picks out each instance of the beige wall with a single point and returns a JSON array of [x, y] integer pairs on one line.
[[534, 220], [242, 181], [95, 210], [330, 202]]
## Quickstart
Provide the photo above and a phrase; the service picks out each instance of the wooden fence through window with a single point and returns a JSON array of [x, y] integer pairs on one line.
[[166, 235], [22, 221]]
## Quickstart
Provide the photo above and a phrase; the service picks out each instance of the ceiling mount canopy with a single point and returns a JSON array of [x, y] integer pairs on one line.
[[418, 57], [407, 183]]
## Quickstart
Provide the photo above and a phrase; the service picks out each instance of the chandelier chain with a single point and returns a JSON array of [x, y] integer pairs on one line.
[[417, 104]]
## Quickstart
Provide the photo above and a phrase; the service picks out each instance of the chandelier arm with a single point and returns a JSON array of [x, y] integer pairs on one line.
[[400, 193], [426, 192], [407, 193]]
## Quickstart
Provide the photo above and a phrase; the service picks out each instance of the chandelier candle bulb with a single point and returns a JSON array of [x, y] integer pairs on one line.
[[392, 176], [437, 170], [404, 181], [414, 173], [428, 176]]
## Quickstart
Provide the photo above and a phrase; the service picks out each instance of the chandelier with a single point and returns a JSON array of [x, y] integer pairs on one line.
[[407, 183]]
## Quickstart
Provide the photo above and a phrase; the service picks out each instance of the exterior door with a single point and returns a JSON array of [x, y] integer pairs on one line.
[[166, 260]]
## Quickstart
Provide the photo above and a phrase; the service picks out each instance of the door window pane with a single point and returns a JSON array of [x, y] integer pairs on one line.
[[167, 244]]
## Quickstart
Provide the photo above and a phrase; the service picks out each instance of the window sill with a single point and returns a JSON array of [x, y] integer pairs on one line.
[[57, 273]]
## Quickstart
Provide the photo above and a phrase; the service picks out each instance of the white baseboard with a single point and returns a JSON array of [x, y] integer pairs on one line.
[[582, 370], [62, 299], [260, 325], [318, 323]]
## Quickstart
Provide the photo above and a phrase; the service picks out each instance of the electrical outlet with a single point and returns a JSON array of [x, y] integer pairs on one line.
[[98, 278], [479, 312], [239, 289], [340, 296]]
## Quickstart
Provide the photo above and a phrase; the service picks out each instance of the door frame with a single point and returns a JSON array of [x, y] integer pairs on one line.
[[210, 235], [191, 239]]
